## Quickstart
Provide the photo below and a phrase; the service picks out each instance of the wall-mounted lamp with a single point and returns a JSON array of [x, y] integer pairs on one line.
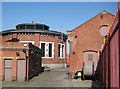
[[25, 45], [17, 54], [24, 50]]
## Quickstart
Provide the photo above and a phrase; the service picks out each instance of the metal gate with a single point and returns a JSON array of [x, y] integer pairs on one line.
[[21, 70], [8, 70]]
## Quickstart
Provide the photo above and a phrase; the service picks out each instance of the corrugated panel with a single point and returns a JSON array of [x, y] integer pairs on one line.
[[104, 66], [107, 66], [109, 59], [114, 58]]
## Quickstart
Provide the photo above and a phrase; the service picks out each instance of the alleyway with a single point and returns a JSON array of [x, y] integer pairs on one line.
[[54, 78]]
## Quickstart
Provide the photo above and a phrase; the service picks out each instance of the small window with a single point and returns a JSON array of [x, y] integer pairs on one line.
[[22, 27], [30, 26], [90, 57], [46, 28], [39, 27]]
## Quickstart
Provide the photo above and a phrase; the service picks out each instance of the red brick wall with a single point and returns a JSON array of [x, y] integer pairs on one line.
[[88, 38], [11, 54], [36, 38], [27, 37]]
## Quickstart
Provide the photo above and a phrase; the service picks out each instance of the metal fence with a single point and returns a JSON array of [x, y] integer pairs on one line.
[[34, 62]]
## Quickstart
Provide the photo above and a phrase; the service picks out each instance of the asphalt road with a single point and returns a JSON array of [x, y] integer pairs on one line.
[[54, 78]]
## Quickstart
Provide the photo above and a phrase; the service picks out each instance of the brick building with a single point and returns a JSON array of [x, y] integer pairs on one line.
[[14, 41], [86, 41]]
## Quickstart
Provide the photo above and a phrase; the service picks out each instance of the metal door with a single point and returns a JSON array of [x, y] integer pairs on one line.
[[8, 70], [21, 70]]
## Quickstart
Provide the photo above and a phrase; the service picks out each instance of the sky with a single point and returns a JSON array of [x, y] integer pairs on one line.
[[59, 16]]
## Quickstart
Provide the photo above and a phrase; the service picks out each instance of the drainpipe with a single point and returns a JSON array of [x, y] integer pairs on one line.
[[26, 58]]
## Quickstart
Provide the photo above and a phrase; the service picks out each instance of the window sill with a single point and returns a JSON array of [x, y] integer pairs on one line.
[[61, 58], [48, 57]]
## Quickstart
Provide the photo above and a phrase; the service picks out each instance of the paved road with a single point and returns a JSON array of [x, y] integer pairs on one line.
[[54, 78]]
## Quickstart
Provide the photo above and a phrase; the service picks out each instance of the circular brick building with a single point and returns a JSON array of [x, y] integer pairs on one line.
[[51, 43]]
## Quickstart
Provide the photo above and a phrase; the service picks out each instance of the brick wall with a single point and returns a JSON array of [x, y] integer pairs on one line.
[[15, 42], [36, 38], [86, 37]]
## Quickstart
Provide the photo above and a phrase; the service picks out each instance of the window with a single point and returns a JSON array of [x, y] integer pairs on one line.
[[90, 57], [61, 50], [29, 26], [43, 49], [22, 27], [47, 49], [39, 27], [50, 50]]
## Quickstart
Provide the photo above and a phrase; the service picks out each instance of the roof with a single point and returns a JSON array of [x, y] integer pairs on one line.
[[32, 26], [90, 20], [30, 30]]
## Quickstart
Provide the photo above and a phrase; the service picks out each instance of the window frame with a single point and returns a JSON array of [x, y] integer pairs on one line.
[[62, 51], [47, 48]]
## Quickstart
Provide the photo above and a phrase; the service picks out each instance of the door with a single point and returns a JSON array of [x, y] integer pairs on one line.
[[90, 57], [8, 70], [21, 70]]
